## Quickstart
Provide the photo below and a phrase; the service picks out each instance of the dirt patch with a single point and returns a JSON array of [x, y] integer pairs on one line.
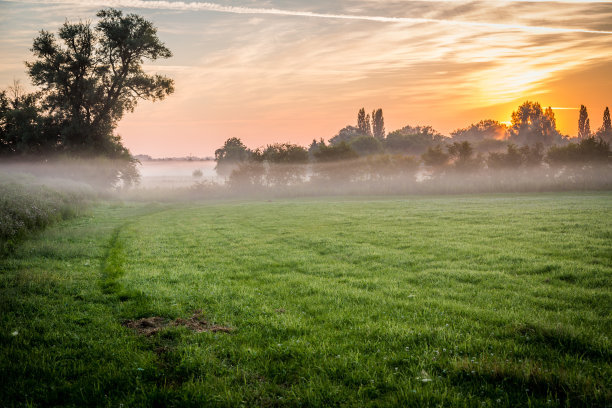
[[198, 324], [149, 326]]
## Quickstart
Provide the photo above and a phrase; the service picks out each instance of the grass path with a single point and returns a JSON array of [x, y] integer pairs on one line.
[[494, 300]]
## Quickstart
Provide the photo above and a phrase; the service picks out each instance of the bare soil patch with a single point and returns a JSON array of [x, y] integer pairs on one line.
[[148, 326]]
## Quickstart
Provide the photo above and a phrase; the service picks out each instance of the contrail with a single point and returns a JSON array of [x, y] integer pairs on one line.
[[205, 6]]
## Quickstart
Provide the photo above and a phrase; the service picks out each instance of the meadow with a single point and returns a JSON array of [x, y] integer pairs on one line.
[[475, 300]]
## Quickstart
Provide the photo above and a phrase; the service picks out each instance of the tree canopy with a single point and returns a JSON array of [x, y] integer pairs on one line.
[[87, 78], [230, 155], [413, 139], [483, 130], [532, 124]]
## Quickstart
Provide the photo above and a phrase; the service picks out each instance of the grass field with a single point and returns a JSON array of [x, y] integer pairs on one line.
[[499, 300]]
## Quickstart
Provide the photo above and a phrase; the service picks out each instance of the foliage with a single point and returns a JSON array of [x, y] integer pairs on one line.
[[91, 77], [23, 130], [483, 130], [314, 146], [285, 153], [346, 134], [390, 166], [366, 145], [435, 157], [531, 124], [230, 155], [87, 79], [413, 140], [516, 157], [247, 175], [463, 158], [340, 151], [285, 163], [589, 150]]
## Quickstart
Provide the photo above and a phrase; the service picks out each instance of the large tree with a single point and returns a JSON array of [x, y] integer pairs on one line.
[[584, 124], [531, 124], [89, 77], [231, 155]]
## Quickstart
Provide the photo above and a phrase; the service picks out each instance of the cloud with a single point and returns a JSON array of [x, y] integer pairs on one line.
[[205, 6]]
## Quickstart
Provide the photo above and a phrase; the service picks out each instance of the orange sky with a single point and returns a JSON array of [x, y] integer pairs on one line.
[[273, 71]]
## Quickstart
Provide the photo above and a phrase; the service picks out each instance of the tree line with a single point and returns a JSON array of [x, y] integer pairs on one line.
[[531, 140], [88, 77]]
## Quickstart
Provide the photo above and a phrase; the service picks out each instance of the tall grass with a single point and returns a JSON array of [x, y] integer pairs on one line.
[[26, 207]]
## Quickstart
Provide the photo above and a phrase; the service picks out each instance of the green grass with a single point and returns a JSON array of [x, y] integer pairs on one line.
[[500, 300]]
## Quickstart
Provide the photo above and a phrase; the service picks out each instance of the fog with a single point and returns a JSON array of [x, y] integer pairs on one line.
[[176, 173], [168, 181]]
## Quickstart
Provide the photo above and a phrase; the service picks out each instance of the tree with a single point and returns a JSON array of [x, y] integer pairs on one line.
[[606, 125], [435, 157], [413, 140], [516, 157], [532, 156], [366, 145], [346, 134], [231, 155], [314, 146], [285, 163], [512, 159], [21, 123], [589, 150], [89, 77], [531, 124], [378, 124], [483, 130], [286, 153], [341, 151], [605, 131], [363, 123], [584, 125], [462, 154]]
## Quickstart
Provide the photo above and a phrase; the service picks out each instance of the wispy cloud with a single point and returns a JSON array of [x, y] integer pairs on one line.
[[255, 68], [205, 6]]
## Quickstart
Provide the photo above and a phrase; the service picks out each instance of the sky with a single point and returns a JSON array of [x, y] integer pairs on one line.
[[271, 71]]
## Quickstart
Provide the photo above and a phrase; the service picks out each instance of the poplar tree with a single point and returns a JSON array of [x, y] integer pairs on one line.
[[605, 131], [584, 125], [363, 123], [378, 124]]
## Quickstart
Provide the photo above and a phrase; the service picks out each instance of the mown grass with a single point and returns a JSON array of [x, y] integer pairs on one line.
[[500, 300]]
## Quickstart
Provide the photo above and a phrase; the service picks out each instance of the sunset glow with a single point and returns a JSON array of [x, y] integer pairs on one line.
[[274, 71]]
